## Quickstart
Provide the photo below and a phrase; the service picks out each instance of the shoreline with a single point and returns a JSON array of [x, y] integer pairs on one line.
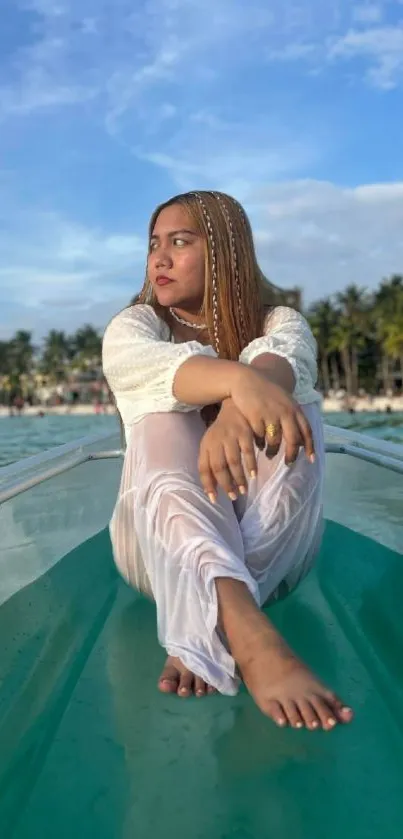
[[329, 405]]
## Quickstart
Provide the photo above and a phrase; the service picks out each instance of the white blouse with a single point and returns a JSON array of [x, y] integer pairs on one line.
[[140, 361]]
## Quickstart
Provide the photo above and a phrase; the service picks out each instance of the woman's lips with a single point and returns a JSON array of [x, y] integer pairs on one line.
[[163, 280]]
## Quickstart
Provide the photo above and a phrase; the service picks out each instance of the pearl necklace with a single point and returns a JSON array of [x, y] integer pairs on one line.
[[186, 322]]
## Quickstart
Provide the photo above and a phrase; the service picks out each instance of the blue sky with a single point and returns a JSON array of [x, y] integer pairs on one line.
[[108, 108]]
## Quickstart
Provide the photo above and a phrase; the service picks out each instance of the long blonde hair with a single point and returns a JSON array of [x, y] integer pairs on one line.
[[235, 288]]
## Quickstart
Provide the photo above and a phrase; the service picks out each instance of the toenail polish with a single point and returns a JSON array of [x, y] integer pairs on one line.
[[242, 490], [331, 721], [314, 724], [298, 725], [211, 497], [253, 474], [346, 710], [232, 496], [281, 721]]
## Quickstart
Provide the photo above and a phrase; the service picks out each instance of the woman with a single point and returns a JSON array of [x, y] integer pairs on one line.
[[220, 509]]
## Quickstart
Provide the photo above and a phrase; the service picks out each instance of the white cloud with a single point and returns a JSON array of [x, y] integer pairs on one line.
[[368, 13], [43, 256], [313, 234], [321, 236], [381, 46]]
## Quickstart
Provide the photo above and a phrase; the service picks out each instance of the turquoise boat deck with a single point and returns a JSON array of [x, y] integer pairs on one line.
[[89, 748]]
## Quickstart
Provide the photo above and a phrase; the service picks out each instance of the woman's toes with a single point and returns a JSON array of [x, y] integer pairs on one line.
[[276, 711], [211, 690], [326, 714], [169, 680], [185, 684], [309, 715], [343, 712], [346, 714], [199, 686], [294, 717]]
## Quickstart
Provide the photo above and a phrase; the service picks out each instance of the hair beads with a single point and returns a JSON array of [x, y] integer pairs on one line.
[[227, 215], [213, 269]]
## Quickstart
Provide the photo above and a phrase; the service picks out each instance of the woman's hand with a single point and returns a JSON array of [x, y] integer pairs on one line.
[[264, 405], [226, 451]]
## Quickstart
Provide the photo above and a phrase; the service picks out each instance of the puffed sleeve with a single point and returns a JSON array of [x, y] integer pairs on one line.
[[140, 363], [287, 334]]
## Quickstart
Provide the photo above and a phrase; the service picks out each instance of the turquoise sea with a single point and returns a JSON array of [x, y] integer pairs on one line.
[[24, 436]]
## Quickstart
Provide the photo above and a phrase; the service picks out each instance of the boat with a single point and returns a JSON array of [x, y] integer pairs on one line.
[[90, 748]]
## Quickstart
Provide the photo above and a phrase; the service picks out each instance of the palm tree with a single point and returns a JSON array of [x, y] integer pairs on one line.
[[322, 317], [388, 321], [21, 353], [55, 355], [87, 345], [4, 357], [393, 342], [351, 330]]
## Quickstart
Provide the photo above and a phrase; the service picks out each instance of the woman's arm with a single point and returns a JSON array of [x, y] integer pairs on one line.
[[286, 354], [140, 363], [205, 381], [276, 369]]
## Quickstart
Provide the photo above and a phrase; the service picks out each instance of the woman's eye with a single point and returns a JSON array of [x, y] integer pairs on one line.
[[180, 242], [153, 246]]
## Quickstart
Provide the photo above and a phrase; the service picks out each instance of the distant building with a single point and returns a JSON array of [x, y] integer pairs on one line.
[[272, 294]]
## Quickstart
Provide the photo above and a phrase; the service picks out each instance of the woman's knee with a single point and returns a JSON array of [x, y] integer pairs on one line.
[[169, 441]]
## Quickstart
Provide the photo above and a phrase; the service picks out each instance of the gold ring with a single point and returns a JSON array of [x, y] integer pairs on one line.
[[271, 431]]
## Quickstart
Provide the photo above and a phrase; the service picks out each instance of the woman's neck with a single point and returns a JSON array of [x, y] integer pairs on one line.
[[182, 333]]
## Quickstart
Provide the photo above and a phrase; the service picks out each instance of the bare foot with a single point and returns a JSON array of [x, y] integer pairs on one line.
[[281, 685], [175, 678], [286, 690]]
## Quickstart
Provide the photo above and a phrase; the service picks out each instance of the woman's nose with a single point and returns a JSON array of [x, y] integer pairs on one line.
[[163, 257]]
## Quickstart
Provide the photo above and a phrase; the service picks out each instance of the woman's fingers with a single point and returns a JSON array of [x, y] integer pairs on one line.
[[224, 479], [233, 454], [214, 470], [293, 439], [306, 432], [273, 438], [207, 476], [249, 455], [228, 466]]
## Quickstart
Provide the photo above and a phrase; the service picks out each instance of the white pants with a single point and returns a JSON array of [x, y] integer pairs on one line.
[[170, 542]]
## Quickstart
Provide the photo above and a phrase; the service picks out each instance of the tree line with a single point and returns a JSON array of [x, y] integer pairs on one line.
[[359, 335]]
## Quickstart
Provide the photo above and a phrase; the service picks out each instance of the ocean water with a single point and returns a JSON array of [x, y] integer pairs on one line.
[[24, 436]]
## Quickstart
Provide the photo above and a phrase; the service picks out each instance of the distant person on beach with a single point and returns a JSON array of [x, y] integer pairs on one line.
[[220, 505]]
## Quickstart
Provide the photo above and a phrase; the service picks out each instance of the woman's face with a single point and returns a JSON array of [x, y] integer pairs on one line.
[[176, 260]]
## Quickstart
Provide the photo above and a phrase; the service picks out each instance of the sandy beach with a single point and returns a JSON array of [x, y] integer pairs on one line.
[[329, 405]]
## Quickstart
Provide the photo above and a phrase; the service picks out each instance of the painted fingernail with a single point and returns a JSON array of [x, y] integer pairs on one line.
[[211, 497], [281, 721], [253, 474], [184, 690], [331, 721], [314, 724], [298, 725], [346, 710], [242, 490], [232, 496]]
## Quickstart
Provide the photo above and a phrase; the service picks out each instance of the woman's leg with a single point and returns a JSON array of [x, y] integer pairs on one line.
[[194, 555], [281, 518], [184, 542], [281, 525]]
